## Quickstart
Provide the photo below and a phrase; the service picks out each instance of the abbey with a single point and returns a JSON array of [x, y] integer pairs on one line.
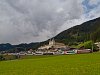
[[52, 45]]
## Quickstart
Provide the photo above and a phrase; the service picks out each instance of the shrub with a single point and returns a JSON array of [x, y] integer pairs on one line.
[[88, 45], [1, 58]]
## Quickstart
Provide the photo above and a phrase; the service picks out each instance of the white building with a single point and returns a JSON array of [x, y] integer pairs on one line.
[[52, 45], [98, 44]]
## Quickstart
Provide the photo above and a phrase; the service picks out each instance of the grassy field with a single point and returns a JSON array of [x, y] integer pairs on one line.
[[82, 64]]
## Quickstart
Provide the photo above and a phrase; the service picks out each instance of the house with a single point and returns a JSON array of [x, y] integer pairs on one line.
[[38, 53], [30, 51], [83, 51], [70, 51], [98, 44]]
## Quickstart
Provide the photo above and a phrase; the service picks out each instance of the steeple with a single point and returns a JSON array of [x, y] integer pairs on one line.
[[52, 42]]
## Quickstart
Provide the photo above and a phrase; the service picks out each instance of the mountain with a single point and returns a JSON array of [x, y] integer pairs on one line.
[[89, 30], [6, 46], [24, 46]]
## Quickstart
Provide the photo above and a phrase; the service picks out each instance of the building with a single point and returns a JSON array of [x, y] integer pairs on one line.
[[98, 44], [52, 46]]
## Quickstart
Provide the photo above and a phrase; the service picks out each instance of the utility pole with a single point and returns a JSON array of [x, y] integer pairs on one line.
[[92, 46], [92, 43]]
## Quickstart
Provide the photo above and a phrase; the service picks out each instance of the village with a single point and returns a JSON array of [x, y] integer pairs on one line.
[[54, 48]]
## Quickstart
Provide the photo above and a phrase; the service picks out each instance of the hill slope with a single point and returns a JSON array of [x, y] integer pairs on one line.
[[80, 33]]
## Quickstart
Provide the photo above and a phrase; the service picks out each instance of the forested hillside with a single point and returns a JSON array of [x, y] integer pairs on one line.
[[87, 31]]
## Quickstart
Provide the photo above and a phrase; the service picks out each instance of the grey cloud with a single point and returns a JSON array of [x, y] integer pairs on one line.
[[36, 20]]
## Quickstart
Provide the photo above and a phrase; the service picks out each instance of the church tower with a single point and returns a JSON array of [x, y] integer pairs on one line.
[[52, 42]]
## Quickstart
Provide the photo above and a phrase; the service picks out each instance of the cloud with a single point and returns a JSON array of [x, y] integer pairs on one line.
[[94, 2], [91, 8], [25, 21]]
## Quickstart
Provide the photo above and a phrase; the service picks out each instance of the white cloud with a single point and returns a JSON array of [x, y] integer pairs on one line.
[[93, 8], [94, 2]]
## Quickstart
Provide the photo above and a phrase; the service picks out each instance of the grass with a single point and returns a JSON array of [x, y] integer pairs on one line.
[[82, 64], [12, 57]]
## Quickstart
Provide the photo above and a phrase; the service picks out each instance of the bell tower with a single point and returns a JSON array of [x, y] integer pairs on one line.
[[52, 42]]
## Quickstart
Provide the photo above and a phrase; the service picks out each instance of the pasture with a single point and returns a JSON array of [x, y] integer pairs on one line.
[[79, 64]]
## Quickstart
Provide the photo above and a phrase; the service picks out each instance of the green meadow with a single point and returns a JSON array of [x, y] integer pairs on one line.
[[79, 64]]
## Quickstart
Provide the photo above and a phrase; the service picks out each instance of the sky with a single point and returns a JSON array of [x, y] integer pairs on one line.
[[26, 21]]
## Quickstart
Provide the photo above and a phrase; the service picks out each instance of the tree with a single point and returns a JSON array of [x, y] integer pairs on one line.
[[1, 58], [96, 35], [88, 45]]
